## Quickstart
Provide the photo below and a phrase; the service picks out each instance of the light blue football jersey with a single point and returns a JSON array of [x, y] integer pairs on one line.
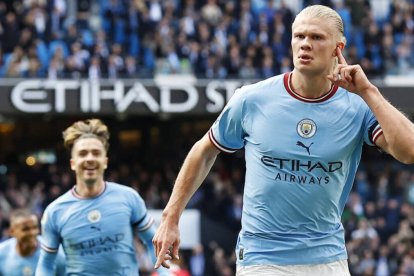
[[96, 233], [301, 159], [12, 264]]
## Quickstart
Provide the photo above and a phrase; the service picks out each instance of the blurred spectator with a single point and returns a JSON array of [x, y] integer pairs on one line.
[[383, 267], [11, 32], [197, 261], [364, 231], [247, 70], [211, 13], [167, 33], [94, 71]]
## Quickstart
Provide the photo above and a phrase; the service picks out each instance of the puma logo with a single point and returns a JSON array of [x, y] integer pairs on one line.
[[96, 228], [300, 144]]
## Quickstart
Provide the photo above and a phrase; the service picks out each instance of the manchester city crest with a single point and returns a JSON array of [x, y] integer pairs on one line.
[[306, 128], [27, 271], [94, 216]]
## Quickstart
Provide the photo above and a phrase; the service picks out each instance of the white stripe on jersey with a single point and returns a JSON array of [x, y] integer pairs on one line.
[[48, 249], [376, 133], [146, 226], [217, 145]]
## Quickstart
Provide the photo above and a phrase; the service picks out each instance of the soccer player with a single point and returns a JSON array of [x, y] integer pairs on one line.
[[19, 255], [302, 133], [96, 220]]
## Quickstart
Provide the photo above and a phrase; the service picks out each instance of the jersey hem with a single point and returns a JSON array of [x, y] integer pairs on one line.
[[316, 262]]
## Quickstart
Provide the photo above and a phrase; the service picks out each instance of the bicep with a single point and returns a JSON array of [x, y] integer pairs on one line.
[[207, 147], [382, 143]]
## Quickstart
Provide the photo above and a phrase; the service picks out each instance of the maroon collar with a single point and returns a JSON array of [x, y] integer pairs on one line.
[[287, 79], [78, 196]]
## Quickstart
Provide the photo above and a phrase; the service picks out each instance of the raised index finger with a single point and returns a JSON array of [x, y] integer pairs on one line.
[[341, 58]]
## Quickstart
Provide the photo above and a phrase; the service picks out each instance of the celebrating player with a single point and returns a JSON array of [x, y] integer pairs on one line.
[[96, 220], [302, 133]]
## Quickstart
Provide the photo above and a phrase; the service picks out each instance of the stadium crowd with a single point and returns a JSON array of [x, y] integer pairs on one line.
[[379, 215], [211, 39]]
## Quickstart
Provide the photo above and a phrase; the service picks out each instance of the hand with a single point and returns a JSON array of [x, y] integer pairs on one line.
[[166, 242], [350, 77]]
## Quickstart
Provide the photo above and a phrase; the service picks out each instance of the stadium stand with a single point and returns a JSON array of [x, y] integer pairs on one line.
[[211, 39]]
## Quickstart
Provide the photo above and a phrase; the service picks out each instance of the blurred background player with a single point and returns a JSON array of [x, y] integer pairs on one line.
[[96, 220], [19, 255]]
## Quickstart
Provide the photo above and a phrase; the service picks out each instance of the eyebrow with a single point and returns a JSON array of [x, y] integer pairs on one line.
[[310, 32]]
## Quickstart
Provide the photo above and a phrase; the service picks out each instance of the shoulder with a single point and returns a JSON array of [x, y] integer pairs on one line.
[[124, 194], [116, 187], [6, 246], [262, 86], [59, 204], [61, 200], [250, 95]]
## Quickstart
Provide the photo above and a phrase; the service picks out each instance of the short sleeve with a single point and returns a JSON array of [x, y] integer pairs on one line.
[[139, 215], [373, 129], [227, 132], [50, 237], [3, 253]]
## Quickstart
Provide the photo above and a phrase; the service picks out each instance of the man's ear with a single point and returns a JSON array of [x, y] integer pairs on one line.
[[341, 45], [72, 164], [11, 232]]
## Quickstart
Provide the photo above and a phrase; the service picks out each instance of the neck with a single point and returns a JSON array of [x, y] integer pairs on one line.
[[89, 190], [310, 86], [26, 249]]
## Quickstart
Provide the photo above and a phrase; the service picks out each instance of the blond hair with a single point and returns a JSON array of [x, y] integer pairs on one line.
[[91, 128], [324, 12]]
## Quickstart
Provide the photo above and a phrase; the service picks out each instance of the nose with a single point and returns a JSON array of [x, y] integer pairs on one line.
[[305, 44], [90, 157], [34, 231]]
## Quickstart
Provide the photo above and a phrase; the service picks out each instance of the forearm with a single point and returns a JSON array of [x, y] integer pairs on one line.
[[193, 172], [397, 129]]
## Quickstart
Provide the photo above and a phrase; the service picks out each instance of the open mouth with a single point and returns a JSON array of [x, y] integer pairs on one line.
[[305, 57], [90, 169]]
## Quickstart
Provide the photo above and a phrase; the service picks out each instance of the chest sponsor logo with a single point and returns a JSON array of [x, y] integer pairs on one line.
[[94, 216], [302, 171], [306, 128], [98, 245]]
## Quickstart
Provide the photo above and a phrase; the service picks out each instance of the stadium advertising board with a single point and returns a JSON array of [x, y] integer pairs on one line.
[[164, 94], [189, 225], [178, 94]]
